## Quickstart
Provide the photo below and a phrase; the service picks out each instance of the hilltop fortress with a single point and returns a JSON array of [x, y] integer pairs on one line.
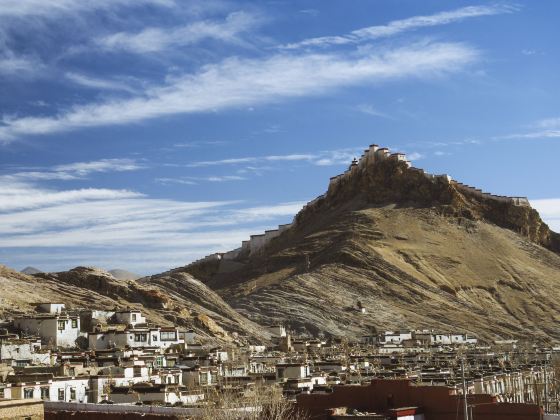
[[371, 156]]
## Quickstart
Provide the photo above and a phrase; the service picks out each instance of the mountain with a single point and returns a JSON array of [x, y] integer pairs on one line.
[[415, 250], [91, 288], [123, 274], [31, 270]]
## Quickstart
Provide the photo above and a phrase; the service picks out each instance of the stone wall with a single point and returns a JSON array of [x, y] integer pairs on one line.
[[21, 409], [517, 201]]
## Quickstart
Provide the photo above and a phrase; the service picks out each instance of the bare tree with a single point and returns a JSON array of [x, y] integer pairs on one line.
[[259, 403]]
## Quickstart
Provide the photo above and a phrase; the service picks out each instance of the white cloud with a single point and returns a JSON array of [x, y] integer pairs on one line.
[[73, 171], [370, 110], [549, 123], [549, 209], [103, 227], [193, 180], [242, 82], [98, 84], [27, 8], [543, 134], [528, 52], [18, 196], [158, 39], [284, 209], [547, 128], [20, 66], [102, 165], [398, 26], [415, 156], [322, 158]]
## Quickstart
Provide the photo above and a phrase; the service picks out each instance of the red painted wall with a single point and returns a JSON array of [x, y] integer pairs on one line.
[[436, 401]]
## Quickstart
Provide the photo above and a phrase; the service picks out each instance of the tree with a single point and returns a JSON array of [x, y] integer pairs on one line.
[[259, 403]]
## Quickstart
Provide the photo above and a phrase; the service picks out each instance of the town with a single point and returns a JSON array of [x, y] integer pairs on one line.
[[62, 361]]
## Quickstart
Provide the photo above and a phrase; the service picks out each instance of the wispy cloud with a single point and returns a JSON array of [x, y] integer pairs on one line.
[[543, 129], [193, 180], [242, 82], [549, 209], [115, 227], [19, 66], [158, 39], [415, 156], [202, 143], [27, 8], [21, 196], [72, 171], [370, 110], [322, 158], [99, 84], [398, 26]]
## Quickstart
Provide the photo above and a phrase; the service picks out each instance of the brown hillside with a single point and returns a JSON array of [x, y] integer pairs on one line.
[[415, 250], [84, 287]]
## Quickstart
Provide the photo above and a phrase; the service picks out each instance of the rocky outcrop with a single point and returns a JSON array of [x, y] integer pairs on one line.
[[393, 182]]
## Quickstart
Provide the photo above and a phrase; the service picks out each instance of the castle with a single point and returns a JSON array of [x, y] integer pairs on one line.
[[371, 155]]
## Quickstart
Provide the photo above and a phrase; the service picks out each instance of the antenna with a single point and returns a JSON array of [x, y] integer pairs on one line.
[[465, 405]]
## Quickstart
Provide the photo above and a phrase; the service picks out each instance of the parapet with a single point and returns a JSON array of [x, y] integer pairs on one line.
[[516, 201]]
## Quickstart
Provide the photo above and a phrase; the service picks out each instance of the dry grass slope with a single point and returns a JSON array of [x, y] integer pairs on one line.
[[414, 252], [184, 301]]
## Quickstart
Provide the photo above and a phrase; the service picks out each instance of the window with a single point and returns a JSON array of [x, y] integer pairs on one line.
[[61, 394], [74, 323], [159, 361], [141, 337], [28, 393], [133, 317], [168, 335], [45, 393], [61, 325], [154, 337], [72, 394], [1, 392], [21, 363]]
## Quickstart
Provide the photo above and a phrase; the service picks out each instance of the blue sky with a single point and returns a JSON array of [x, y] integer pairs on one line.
[[143, 134]]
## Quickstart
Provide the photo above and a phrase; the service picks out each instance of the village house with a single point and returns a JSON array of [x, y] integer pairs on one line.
[[50, 388], [130, 317], [286, 371], [395, 337], [147, 393], [200, 376], [18, 352], [59, 330], [134, 337], [50, 308]]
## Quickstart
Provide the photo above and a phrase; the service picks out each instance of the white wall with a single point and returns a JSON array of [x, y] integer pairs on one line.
[[47, 329]]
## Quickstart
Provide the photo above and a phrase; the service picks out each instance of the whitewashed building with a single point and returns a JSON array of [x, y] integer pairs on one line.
[[160, 337], [130, 317], [58, 330]]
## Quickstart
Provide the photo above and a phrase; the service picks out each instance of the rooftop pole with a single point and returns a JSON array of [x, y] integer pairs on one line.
[[465, 405]]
